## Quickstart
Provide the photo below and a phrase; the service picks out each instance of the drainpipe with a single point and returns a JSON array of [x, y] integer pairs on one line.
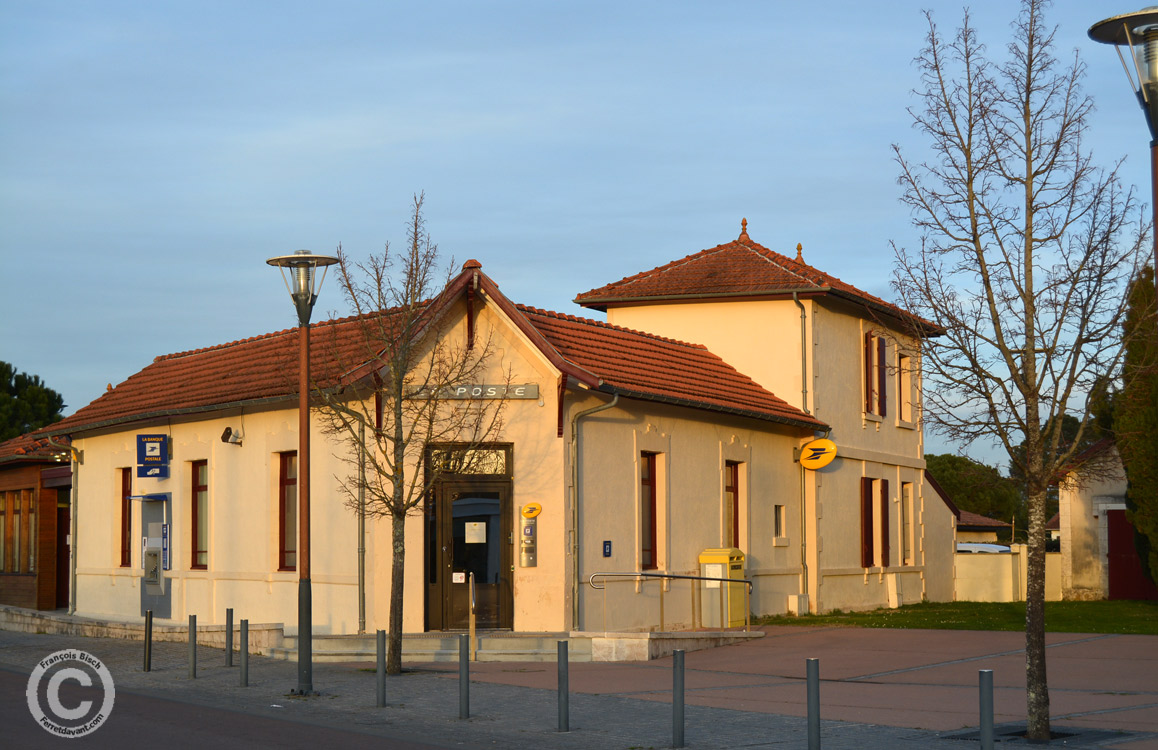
[[575, 505], [804, 405], [803, 356], [74, 495], [361, 527]]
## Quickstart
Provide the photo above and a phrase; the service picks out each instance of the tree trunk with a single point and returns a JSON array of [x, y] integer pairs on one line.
[[397, 570], [1036, 687]]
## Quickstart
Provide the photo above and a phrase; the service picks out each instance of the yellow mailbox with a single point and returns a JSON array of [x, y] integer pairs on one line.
[[723, 603]]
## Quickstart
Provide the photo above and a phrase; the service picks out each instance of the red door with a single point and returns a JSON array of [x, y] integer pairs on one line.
[[1126, 578]]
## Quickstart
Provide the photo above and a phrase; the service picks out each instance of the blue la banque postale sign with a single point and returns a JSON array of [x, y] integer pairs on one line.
[[153, 456]]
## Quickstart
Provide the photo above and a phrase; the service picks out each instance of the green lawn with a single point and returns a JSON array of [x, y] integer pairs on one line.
[[1060, 617]]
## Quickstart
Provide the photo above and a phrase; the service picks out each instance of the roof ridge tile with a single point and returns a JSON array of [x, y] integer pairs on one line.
[[272, 334]]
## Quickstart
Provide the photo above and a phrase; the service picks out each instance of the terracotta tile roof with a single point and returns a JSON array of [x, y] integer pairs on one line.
[[741, 268], [971, 520], [1054, 523], [264, 369], [33, 446], [248, 372], [652, 367]]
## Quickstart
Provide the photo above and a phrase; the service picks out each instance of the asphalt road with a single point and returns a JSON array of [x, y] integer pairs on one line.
[[141, 721]]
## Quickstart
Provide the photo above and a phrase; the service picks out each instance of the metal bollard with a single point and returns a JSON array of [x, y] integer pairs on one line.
[[192, 647], [985, 685], [245, 653], [229, 637], [381, 669], [813, 670], [564, 680], [148, 640], [463, 677], [677, 701]]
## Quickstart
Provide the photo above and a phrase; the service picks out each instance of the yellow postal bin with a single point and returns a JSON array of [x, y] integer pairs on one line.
[[723, 603]]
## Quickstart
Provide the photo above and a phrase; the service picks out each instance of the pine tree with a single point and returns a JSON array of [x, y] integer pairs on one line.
[[1136, 419]]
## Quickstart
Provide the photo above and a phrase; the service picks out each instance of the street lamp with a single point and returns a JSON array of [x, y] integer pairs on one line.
[[1139, 32], [303, 285]]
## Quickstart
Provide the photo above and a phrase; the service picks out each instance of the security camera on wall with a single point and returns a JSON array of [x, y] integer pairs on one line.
[[229, 436]]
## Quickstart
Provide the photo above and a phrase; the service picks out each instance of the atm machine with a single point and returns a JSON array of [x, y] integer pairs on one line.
[[155, 591]]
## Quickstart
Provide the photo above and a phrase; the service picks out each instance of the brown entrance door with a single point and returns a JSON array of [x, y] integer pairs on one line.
[[475, 536]]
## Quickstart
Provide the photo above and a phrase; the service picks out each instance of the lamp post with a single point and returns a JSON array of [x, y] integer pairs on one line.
[[303, 285], [1138, 31]]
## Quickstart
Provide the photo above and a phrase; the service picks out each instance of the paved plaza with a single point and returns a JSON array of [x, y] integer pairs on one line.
[[879, 689]]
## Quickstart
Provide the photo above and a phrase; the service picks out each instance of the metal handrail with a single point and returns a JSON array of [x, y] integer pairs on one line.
[[644, 574], [676, 576]]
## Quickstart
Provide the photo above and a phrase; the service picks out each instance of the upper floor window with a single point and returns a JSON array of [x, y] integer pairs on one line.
[[875, 374], [905, 410]]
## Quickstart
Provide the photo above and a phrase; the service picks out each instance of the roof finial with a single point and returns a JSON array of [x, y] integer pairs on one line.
[[799, 254], [743, 229]]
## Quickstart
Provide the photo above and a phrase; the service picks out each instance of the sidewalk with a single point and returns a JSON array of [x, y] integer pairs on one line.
[[918, 688]]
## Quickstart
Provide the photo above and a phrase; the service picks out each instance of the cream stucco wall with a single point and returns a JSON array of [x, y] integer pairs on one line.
[[242, 546], [1001, 577], [760, 339], [1082, 503], [693, 448]]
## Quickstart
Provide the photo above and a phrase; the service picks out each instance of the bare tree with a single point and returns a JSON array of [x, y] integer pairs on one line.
[[1026, 251], [401, 362]]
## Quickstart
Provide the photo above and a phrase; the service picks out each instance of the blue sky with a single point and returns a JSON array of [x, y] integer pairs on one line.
[[153, 155]]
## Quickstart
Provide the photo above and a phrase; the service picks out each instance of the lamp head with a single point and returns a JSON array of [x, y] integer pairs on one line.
[[305, 285], [1137, 31]]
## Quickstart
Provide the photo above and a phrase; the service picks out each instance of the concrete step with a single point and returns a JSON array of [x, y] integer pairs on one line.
[[440, 647]]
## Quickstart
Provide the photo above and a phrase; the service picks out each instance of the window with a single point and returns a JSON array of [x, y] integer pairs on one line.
[[905, 388], [199, 496], [647, 500], [884, 522], [731, 504], [126, 517], [778, 521], [287, 542], [875, 368], [30, 527], [874, 522], [907, 557], [16, 531]]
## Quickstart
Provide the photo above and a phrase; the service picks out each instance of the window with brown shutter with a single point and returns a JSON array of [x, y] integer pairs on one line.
[[200, 527], [882, 379], [287, 535], [126, 517], [647, 482], [732, 502], [884, 505], [866, 522]]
